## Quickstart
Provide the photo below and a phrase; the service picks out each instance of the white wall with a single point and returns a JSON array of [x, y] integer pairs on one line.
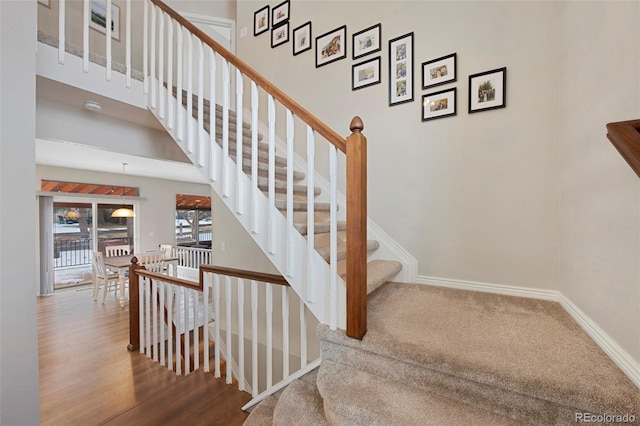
[[599, 83], [472, 197], [19, 396]]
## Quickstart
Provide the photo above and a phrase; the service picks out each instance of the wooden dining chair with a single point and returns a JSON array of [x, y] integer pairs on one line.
[[120, 250], [102, 277], [152, 260]]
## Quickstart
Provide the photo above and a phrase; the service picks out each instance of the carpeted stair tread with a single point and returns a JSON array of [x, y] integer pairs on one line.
[[300, 404], [281, 188], [262, 414], [380, 272], [354, 397], [372, 245], [511, 355], [302, 206], [320, 227]]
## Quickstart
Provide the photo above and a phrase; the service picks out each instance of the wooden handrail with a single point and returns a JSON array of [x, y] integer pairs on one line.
[[241, 273], [625, 136], [327, 132]]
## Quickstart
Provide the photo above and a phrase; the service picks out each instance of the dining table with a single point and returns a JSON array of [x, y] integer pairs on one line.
[[121, 264]]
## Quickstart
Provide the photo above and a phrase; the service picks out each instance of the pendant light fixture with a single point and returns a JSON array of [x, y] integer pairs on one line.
[[123, 211]]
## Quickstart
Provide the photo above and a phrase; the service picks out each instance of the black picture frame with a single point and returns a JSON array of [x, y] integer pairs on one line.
[[367, 41], [401, 78], [280, 14], [366, 73], [439, 71], [261, 21], [279, 35], [331, 46], [488, 90], [439, 104], [302, 38]]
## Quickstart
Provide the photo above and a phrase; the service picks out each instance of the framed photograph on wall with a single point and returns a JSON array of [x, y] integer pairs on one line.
[[365, 74], [302, 38], [261, 21], [488, 90], [401, 69], [280, 14], [439, 104], [439, 71], [367, 41], [331, 46], [280, 35], [98, 21]]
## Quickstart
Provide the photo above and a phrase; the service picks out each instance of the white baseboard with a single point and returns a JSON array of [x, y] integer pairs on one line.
[[629, 366]]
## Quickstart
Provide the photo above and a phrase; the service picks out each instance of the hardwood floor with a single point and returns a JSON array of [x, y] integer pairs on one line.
[[88, 377]]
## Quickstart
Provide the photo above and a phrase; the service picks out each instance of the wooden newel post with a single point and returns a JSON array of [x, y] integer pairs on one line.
[[134, 307], [356, 231]]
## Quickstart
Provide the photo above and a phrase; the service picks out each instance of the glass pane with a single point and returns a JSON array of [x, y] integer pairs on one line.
[[72, 244], [113, 231]]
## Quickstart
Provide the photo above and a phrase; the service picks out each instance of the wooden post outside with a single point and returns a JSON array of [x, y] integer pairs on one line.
[[356, 231], [134, 306]]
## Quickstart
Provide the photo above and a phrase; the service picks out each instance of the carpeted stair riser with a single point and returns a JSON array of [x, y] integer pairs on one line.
[[319, 227], [299, 404], [262, 414], [372, 245], [355, 397], [281, 188]]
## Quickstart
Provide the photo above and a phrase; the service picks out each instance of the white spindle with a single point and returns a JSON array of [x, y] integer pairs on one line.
[[254, 339], [271, 237], [154, 318], [189, 92], [225, 127], [206, 316], [161, 103], [161, 321], [128, 43], [152, 62], [108, 35], [228, 342], [185, 330], [240, 285], [269, 310], [239, 139], [147, 300], [145, 48], [333, 237], [196, 330], [141, 304], [170, 111], [216, 313], [311, 150], [179, 292], [290, 229], [169, 328], [303, 334], [254, 157], [85, 35], [212, 115], [61, 30], [285, 332], [180, 65], [200, 104]]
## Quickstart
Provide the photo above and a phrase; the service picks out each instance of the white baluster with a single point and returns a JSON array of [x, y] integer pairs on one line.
[[225, 127], [169, 328], [61, 30], [228, 342], [271, 237], [212, 115], [254, 339], [185, 329], [154, 318], [239, 139], [161, 49], [189, 92], [179, 292], [254, 157], [303, 334], [196, 330], [179, 71], [200, 104], [206, 316], [290, 228], [162, 322], [170, 111], [147, 299], [311, 151], [141, 322], [108, 35], [240, 285], [269, 310], [85, 35], [285, 332], [128, 43], [145, 48], [152, 62], [333, 237], [216, 313]]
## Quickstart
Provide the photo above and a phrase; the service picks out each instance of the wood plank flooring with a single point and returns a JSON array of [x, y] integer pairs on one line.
[[87, 376]]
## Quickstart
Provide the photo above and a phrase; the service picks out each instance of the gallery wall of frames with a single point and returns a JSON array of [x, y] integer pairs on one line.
[[486, 90]]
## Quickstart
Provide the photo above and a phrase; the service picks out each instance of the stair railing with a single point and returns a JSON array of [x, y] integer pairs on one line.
[[625, 136]]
